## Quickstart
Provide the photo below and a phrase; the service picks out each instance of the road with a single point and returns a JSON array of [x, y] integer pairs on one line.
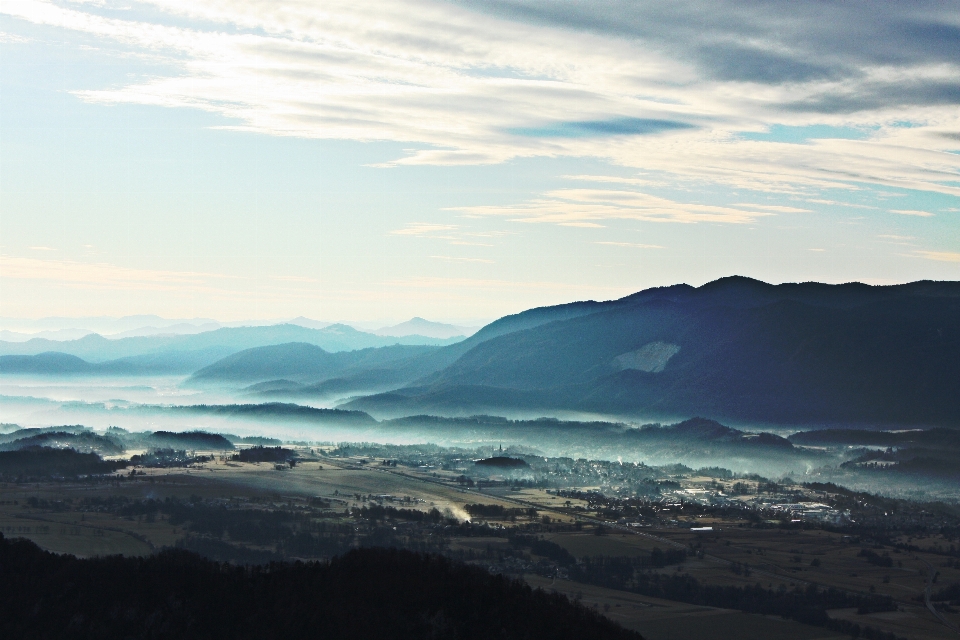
[[926, 597]]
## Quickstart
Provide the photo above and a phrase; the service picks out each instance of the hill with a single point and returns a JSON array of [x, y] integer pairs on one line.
[[33, 463], [368, 593], [300, 362], [734, 349], [430, 363], [45, 363]]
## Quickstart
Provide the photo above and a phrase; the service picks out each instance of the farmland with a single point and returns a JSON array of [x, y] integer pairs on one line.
[[562, 539]]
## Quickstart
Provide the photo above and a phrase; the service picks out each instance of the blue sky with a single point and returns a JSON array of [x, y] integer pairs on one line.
[[464, 160]]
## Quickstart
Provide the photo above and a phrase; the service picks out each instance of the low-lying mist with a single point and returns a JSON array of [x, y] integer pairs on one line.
[[147, 404]]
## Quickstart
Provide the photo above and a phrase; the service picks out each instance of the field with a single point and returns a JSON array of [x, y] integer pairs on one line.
[[734, 553]]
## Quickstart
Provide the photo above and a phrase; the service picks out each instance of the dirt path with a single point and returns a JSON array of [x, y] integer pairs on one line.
[[926, 597]]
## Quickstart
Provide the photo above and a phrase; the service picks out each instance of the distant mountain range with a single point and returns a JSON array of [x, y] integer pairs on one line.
[[60, 328], [180, 353]]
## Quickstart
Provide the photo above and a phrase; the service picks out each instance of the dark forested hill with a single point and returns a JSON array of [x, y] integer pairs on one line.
[[734, 349], [368, 593]]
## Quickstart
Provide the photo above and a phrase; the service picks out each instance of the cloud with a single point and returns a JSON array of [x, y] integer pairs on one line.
[[87, 275], [590, 207], [941, 256], [912, 212], [41, 248], [462, 259], [776, 208], [451, 233], [840, 204], [613, 179], [423, 229], [601, 128], [632, 244], [662, 87], [504, 286], [766, 42], [10, 38]]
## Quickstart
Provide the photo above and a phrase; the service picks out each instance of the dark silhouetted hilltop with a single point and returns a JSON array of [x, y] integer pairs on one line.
[[367, 593]]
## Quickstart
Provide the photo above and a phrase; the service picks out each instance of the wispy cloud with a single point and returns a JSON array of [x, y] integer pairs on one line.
[[912, 212], [941, 256], [451, 233], [614, 179], [506, 286], [89, 275], [424, 229], [633, 245], [472, 83], [590, 207], [462, 259], [775, 208], [106, 276], [10, 38], [840, 204]]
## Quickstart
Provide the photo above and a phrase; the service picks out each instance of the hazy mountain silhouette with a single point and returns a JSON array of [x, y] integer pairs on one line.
[[163, 362], [43, 363], [302, 362], [370, 377], [735, 349], [419, 326], [188, 353]]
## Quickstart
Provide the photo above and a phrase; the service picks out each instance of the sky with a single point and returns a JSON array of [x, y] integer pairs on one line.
[[462, 160]]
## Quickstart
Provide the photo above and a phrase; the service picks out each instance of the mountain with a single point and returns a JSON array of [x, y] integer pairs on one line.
[[45, 363], [736, 349], [300, 321], [283, 369], [419, 326], [368, 375], [57, 334], [187, 353], [182, 328], [294, 359], [165, 362]]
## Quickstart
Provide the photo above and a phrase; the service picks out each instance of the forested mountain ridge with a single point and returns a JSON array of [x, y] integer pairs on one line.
[[733, 349]]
